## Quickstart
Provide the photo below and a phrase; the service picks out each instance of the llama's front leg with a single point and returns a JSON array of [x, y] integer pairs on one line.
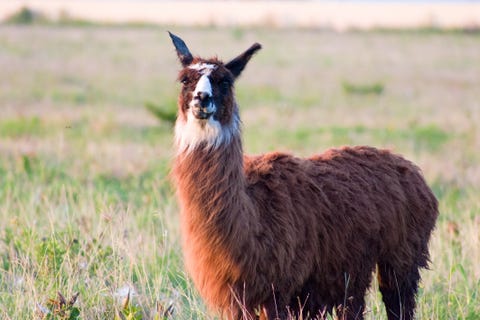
[[273, 309], [352, 310]]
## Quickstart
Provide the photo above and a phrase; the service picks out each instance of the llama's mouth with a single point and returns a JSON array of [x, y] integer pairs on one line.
[[203, 113]]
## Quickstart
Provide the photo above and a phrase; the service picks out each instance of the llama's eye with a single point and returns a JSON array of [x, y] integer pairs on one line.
[[225, 85], [184, 81]]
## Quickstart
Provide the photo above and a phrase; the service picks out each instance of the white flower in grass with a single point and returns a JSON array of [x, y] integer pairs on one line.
[[125, 293], [42, 309]]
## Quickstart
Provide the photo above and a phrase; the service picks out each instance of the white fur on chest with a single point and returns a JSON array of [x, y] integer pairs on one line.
[[192, 133]]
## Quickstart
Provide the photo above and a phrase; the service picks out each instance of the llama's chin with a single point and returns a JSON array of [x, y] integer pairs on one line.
[[202, 133]]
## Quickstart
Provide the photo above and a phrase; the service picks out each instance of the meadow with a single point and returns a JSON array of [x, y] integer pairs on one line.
[[86, 203]]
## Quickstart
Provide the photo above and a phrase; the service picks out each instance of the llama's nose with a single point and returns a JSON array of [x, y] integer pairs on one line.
[[203, 95], [204, 98]]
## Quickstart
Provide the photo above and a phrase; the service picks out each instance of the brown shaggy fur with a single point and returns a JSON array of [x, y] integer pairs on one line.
[[286, 236]]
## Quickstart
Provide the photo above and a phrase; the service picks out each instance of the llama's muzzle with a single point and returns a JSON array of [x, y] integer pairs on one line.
[[201, 113], [203, 106]]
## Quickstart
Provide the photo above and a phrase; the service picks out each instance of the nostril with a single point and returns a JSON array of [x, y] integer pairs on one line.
[[203, 95]]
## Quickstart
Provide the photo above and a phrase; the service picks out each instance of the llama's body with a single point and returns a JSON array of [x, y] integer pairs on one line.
[[290, 236]]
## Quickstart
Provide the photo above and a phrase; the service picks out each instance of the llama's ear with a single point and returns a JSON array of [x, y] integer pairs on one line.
[[237, 65], [182, 50]]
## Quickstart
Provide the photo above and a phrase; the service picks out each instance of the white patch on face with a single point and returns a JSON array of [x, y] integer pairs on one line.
[[203, 84], [204, 68]]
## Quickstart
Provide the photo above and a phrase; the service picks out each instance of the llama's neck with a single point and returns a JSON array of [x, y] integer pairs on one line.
[[209, 167], [217, 218], [211, 181]]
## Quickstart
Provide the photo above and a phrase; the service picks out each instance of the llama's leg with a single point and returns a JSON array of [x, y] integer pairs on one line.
[[352, 304], [352, 309], [398, 291], [308, 306], [309, 303], [274, 309], [311, 306], [240, 313]]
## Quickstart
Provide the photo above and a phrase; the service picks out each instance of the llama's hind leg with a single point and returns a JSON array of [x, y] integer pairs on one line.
[[398, 291]]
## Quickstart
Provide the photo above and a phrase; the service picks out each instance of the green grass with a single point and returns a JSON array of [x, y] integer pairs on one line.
[[427, 138], [86, 204], [353, 88], [18, 127]]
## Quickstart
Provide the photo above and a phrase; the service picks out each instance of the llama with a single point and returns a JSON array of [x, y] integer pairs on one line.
[[279, 237]]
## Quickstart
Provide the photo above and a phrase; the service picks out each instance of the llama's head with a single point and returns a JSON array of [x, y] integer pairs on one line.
[[207, 110]]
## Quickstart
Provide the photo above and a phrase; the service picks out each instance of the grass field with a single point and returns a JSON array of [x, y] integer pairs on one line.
[[85, 200]]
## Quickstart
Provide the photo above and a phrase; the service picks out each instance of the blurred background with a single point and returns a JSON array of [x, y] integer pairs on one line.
[[332, 14], [87, 103]]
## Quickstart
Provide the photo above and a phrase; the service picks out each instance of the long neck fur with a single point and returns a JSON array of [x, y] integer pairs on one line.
[[217, 218]]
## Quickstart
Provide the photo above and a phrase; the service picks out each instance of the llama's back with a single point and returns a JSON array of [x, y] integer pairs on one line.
[[383, 187], [346, 206]]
